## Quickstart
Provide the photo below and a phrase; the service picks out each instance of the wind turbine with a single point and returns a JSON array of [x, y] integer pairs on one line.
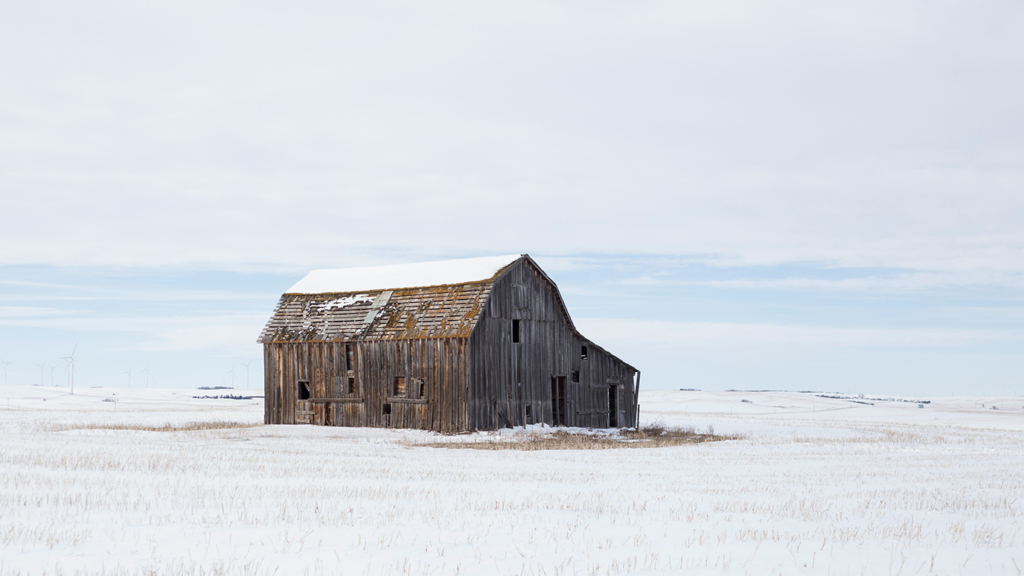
[[42, 371], [52, 366], [246, 364], [129, 373], [146, 370], [5, 363], [71, 362], [232, 372]]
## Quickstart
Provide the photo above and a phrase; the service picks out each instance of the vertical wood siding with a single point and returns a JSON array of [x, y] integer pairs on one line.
[[508, 377], [441, 364]]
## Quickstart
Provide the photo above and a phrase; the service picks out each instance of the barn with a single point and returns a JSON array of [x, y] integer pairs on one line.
[[474, 344]]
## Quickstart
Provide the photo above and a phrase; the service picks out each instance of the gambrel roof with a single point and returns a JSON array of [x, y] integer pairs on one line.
[[423, 300]]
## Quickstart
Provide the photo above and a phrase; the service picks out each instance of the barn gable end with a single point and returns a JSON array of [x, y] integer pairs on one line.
[[530, 365]]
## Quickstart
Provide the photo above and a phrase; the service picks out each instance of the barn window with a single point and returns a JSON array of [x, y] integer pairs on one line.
[[303, 391], [515, 331], [575, 375], [583, 352], [351, 385], [348, 356], [407, 390]]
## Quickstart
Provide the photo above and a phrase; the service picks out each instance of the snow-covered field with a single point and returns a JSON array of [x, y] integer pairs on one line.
[[818, 485]]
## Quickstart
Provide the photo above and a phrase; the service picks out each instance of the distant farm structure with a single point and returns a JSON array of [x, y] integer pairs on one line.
[[474, 344]]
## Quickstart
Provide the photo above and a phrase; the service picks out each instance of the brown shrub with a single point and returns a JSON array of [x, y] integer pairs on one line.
[[655, 435]]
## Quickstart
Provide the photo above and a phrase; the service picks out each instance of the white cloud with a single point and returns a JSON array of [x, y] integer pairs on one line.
[[861, 134]]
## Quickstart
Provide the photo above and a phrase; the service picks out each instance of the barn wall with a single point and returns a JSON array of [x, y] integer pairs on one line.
[[441, 364], [508, 377]]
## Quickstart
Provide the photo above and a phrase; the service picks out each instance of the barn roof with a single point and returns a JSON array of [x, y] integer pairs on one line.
[[420, 274], [425, 300]]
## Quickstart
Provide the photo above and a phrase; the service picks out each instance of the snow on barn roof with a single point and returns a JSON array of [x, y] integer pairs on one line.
[[402, 275]]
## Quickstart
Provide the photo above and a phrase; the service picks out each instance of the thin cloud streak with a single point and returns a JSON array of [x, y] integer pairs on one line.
[[690, 337], [896, 283], [228, 333], [9, 312], [148, 296]]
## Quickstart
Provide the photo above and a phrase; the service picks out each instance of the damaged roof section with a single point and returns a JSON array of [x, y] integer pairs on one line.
[[429, 312]]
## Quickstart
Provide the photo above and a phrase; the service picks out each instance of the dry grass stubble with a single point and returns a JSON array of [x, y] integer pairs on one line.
[[651, 436], [167, 427]]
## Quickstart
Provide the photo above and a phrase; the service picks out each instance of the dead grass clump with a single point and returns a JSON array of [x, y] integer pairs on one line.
[[168, 427], [651, 436]]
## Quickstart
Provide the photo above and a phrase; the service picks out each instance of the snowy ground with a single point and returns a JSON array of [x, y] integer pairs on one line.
[[818, 486]]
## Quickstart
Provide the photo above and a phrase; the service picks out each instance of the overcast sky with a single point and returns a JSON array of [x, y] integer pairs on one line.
[[731, 194]]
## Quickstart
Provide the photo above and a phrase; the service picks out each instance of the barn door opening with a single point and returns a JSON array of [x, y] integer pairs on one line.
[[558, 400], [303, 406], [520, 418], [613, 406]]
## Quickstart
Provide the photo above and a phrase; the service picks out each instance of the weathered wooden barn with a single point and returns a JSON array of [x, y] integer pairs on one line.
[[473, 344]]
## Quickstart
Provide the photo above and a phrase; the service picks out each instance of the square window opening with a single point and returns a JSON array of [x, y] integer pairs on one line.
[[399, 389], [583, 352], [515, 331], [387, 410], [351, 385], [575, 375], [303, 391]]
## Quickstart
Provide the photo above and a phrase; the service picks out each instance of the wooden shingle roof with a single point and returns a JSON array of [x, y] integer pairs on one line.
[[423, 300], [430, 312]]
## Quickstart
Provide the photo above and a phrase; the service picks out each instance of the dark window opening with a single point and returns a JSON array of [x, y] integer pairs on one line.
[[515, 331], [613, 406], [303, 392], [529, 414], [399, 389], [387, 410], [348, 356], [575, 375], [351, 385], [583, 352]]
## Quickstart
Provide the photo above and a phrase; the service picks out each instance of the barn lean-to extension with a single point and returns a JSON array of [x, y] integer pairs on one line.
[[459, 345]]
